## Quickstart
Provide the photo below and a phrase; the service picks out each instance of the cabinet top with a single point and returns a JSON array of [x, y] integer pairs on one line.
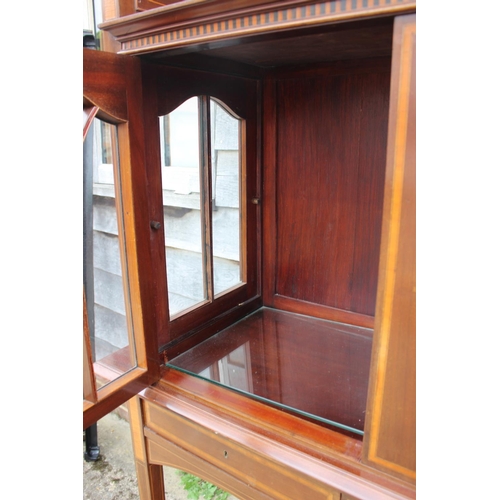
[[189, 23]]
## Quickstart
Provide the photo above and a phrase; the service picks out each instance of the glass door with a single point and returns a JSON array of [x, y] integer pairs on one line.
[[119, 335]]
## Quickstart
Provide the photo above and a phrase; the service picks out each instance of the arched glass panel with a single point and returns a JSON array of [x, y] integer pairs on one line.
[[200, 146]]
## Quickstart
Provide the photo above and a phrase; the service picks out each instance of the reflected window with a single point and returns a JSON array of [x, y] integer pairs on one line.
[[200, 145], [182, 207], [105, 277]]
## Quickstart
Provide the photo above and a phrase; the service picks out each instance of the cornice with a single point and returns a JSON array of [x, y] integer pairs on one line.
[[192, 22]]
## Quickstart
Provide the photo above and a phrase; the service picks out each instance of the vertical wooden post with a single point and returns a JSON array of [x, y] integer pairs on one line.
[[390, 429], [149, 477]]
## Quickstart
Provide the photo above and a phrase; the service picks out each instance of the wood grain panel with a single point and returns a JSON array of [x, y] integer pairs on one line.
[[321, 311], [105, 85], [345, 41], [241, 461], [199, 417], [149, 477], [391, 419], [330, 164], [175, 85], [166, 453]]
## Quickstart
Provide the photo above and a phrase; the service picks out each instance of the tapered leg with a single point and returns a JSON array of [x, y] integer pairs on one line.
[[149, 477], [150, 480]]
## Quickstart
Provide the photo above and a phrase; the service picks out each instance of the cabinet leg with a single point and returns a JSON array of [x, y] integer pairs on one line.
[[150, 480], [149, 477]]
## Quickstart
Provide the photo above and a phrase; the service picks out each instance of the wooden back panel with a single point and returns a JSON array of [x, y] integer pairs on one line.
[[329, 151]]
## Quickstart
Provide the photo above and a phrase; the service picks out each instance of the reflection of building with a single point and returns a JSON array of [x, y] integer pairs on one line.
[[109, 312], [182, 218]]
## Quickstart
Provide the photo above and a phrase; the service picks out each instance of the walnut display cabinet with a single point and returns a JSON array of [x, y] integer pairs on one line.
[[256, 160]]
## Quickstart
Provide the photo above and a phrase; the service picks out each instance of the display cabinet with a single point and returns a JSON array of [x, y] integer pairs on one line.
[[267, 228]]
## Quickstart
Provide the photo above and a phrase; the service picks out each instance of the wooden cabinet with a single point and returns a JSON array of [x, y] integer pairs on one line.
[[297, 380]]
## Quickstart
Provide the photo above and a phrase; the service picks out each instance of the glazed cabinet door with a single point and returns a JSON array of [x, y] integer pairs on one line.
[[390, 429], [119, 343]]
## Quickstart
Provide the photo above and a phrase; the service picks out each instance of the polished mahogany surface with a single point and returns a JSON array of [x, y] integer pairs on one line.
[[330, 161], [316, 368]]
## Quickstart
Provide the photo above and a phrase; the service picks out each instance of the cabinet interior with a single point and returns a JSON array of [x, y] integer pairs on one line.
[[316, 103]]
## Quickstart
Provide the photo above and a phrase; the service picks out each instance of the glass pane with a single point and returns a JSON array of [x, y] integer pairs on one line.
[[105, 278], [225, 146], [182, 207], [308, 366]]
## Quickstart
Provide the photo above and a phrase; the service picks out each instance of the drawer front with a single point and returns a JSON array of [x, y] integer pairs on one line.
[[268, 473]]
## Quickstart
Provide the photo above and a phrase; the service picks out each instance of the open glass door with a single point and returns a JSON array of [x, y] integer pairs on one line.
[[119, 339]]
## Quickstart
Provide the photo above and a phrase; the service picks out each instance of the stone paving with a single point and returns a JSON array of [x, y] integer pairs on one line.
[[113, 477]]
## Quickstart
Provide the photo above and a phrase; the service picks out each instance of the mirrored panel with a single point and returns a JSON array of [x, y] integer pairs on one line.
[[182, 206], [104, 268], [225, 135], [315, 368]]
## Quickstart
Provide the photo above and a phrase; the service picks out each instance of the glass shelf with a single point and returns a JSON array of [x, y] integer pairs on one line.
[[314, 368]]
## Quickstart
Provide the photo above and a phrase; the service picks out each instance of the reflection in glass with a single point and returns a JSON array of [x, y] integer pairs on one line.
[[203, 260], [105, 278], [233, 370], [315, 368], [225, 149], [182, 207]]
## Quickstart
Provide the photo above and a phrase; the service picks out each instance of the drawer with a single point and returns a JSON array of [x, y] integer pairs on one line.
[[265, 466]]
